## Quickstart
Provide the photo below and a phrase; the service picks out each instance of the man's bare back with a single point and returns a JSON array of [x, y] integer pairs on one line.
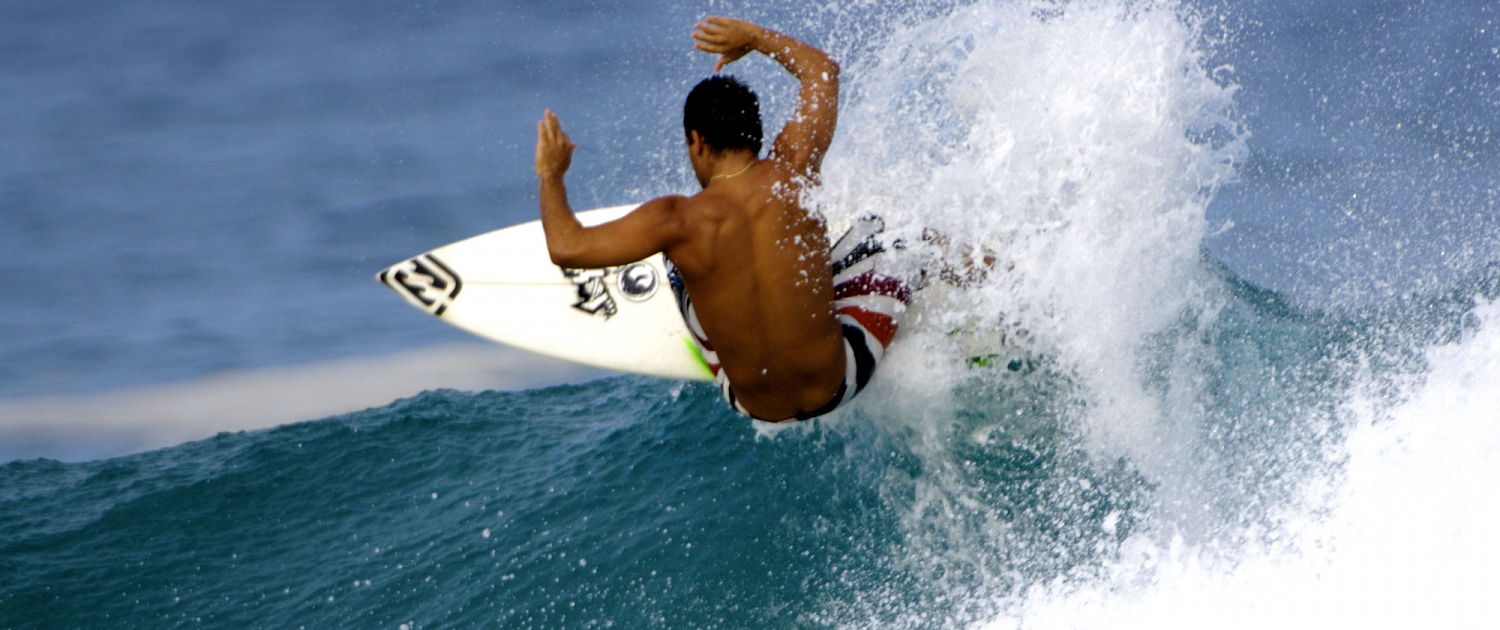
[[757, 269], [755, 263]]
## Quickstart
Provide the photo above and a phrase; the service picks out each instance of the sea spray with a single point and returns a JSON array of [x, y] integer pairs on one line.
[[1080, 143], [1152, 423], [1069, 139]]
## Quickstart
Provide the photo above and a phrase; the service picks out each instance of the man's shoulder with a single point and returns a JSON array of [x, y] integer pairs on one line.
[[661, 210], [667, 203], [705, 205]]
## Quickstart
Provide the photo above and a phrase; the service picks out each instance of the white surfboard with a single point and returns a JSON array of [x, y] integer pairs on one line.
[[502, 286]]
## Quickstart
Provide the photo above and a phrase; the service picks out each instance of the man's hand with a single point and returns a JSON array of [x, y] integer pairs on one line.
[[554, 152], [801, 144], [727, 37]]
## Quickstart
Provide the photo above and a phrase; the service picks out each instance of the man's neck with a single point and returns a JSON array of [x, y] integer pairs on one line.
[[732, 167]]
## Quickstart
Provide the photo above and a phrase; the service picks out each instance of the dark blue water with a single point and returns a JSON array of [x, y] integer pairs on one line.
[[191, 187], [1248, 317], [194, 187]]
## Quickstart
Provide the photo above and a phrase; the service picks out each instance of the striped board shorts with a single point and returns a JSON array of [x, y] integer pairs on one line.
[[866, 304]]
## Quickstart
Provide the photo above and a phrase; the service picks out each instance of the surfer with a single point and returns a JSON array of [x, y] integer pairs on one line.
[[790, 326]]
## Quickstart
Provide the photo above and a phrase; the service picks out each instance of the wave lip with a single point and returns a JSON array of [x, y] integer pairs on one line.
[[114, 423]]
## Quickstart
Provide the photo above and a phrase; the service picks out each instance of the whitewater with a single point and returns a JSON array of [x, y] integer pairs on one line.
[[1141, 418]]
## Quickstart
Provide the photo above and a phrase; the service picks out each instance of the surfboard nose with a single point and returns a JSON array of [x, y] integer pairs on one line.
[[424, 282]]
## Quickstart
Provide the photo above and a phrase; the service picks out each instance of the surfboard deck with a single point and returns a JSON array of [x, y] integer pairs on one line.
[[502, 286]]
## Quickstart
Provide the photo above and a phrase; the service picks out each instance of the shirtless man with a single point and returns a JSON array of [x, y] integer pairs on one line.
[[790, 326]]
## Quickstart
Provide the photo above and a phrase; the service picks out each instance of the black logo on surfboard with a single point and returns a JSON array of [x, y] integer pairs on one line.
[[425, 282], [593, 293], [635, 282]]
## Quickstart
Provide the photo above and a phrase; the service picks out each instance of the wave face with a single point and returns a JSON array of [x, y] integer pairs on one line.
[[1115, 430], [1321, 469]]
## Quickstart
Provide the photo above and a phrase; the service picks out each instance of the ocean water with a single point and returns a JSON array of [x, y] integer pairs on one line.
[[1234, 368]]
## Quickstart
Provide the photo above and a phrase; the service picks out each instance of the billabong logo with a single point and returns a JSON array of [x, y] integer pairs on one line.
[[425, 282], [637, 282]]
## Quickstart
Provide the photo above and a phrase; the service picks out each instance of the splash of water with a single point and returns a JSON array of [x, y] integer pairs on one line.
[[1164, 433], [1400, 536], [1081, 143]]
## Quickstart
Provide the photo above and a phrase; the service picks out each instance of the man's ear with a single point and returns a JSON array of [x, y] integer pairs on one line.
[[695, 143]]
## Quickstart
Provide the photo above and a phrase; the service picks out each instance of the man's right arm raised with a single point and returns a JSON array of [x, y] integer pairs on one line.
[[805, 138]]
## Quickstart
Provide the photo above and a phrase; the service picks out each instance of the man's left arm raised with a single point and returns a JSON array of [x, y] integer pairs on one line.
[[647, 230]]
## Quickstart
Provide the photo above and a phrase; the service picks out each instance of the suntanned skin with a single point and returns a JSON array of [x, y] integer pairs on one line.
[[754, 261]]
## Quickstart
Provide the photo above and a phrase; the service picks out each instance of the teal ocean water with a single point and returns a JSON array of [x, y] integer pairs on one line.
[[1234, 368], [637, 502]]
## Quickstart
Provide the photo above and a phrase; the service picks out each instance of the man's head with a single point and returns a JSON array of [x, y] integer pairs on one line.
[[725, 113]]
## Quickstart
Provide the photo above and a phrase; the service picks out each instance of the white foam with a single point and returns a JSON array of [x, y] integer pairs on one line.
[[82, 427], [1083, 142], [1071, 142], [1402, 536]]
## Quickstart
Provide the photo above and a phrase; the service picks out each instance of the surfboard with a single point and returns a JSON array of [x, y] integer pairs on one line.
[[502, 286]]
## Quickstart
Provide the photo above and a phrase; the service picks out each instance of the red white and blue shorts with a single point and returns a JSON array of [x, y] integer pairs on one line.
[[866, 304]]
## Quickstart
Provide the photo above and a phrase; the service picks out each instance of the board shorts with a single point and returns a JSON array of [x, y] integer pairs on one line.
[[866, 305]]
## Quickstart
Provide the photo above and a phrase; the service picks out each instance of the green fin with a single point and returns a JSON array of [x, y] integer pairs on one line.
[[1014, 365], [983, 360], [697, 353]]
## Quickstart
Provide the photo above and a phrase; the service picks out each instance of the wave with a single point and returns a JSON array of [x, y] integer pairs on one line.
[[82, 427], [640, 501]]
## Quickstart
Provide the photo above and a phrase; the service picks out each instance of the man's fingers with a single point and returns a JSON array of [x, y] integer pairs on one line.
[[709, 38], [553, 127], [549, 130], [713, 49]]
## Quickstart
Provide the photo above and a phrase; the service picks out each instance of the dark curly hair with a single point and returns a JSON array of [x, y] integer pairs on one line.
[[725, 112]]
